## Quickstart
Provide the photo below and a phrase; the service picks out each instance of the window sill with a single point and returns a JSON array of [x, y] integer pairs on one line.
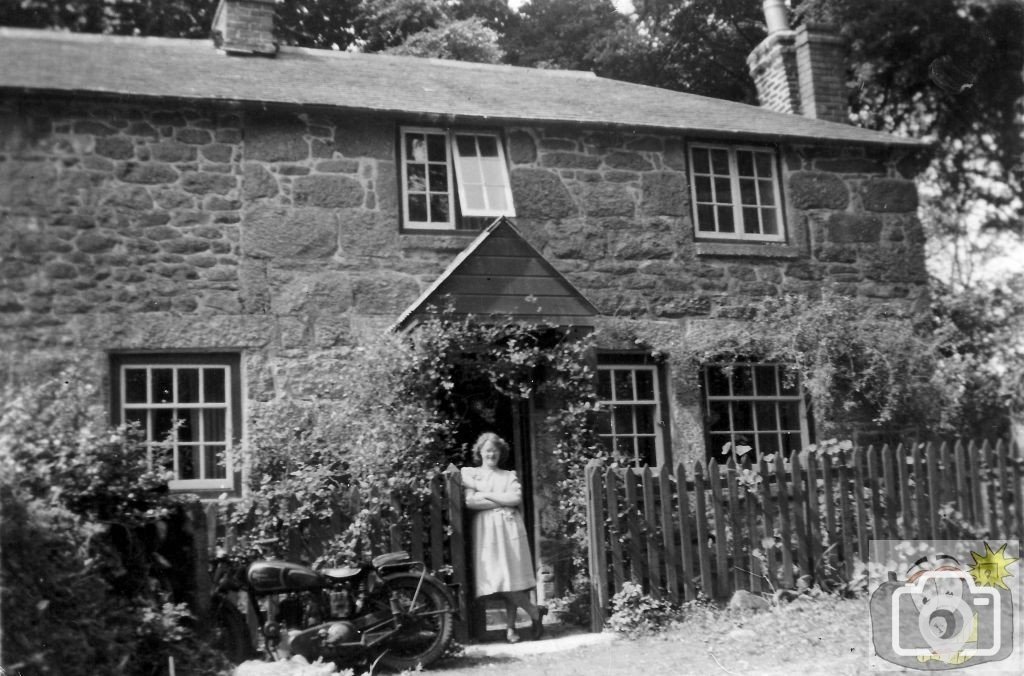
[[748, 249]]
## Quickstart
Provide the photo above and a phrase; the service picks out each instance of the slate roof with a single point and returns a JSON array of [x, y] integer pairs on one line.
[[49, 61]]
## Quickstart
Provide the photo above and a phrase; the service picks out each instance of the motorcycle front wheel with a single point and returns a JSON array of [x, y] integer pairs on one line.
[[426, 623]]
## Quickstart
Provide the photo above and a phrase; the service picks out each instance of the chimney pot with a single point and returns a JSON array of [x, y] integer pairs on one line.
[[775, 15], [245, 27]]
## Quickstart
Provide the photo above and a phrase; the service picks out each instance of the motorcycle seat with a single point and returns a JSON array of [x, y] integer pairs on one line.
[[341, 574]]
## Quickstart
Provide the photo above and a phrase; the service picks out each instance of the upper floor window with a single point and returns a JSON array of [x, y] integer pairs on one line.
[[753, 409], [735, 191], [630, 412], [451, 177], [189, 404]]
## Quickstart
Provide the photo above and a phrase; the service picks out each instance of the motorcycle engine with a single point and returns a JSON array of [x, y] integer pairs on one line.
[[312, 642]]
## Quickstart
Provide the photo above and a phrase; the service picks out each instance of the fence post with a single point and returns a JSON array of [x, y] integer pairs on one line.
[[595, 544], [457, 550], [701, 516], [200, 574], [685, 537]]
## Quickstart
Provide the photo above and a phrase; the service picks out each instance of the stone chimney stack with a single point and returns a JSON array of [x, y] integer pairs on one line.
[[802, 72], [245, 27]]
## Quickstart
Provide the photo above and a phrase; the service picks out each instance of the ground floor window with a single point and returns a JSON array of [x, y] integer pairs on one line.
[[630, 419], [191, 403], [753, 409]]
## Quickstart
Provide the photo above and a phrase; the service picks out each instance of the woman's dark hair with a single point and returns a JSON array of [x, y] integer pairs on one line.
[[483, 440]]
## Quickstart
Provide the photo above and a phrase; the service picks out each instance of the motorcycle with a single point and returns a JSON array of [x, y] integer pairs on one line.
[[390, 610]]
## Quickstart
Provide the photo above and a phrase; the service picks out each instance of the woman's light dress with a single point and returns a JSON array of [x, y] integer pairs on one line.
[[501, 552]]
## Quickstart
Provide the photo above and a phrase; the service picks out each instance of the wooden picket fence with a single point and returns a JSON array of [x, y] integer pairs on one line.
[[432, 531], [712, 529]]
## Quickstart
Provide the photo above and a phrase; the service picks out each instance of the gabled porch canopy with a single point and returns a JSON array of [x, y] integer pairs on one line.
[[501, 274]]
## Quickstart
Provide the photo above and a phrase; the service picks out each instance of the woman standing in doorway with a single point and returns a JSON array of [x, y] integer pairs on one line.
[[502, 563]]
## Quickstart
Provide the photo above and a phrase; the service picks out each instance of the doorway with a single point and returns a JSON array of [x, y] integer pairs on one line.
[[483, 409]]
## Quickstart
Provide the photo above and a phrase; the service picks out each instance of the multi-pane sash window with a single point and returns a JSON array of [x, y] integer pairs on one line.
[[753, 409], [189, 408], [736, 193], [437, 165], [630, 410]]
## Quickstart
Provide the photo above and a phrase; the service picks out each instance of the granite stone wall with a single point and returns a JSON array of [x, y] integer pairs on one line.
[[160, 226]]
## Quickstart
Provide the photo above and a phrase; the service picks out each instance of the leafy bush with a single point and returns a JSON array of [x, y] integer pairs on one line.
[[78, 590], [637, 614]]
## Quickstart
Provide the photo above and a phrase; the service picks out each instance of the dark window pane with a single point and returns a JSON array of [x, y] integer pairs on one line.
[[764, 164], [438, 178], [214, 425], [188, 462], [140, 420], [215, 459], [439, 208], [703, 187], [623, 417], [745, 162], [604, 421], [765, 411], [767, 443], [623, 385], [764, 377], [717, 449], [717, 381], [625, 449], [188, 427], [742, 416], [135, 386], [163, 386], [770, 225], [644, 384], [720, 162], [706, 218], [789, 415], [416, 178], [723, 191], [791, 442], [725, 223], [488, 146], [718, 417], [214, 387], [604, 384], [418, 208], [436, 148], [767, 193], [188, 385], [748, 192], [466, 145], [648, 451], [645, 419], [700, 161], [163, 424], [742, 381], [750, 224]]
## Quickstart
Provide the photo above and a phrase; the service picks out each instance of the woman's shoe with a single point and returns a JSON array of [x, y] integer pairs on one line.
[[538, 624], [511, 636]]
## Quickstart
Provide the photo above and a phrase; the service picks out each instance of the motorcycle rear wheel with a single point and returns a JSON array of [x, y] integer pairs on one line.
[[426, 628], [230, 634]]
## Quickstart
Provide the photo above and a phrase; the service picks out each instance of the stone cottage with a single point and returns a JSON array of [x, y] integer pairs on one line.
[[207, 226]]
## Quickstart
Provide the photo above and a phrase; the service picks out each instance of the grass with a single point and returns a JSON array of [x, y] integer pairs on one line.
[[804, 638]]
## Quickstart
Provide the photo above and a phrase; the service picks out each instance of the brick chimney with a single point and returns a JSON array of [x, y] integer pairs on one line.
[[245, 27], [800, 71]]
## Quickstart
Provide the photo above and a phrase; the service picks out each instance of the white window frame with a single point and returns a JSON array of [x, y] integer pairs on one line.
[[735, 201], [754, 397], [457, 182], [609, 405], [150, 407]]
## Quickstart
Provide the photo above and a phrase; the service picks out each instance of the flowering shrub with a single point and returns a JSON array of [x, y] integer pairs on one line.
[[77, 592], [637, 614]]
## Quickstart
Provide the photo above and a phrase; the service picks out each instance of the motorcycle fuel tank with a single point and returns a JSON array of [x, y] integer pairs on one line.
[[271, 577]]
